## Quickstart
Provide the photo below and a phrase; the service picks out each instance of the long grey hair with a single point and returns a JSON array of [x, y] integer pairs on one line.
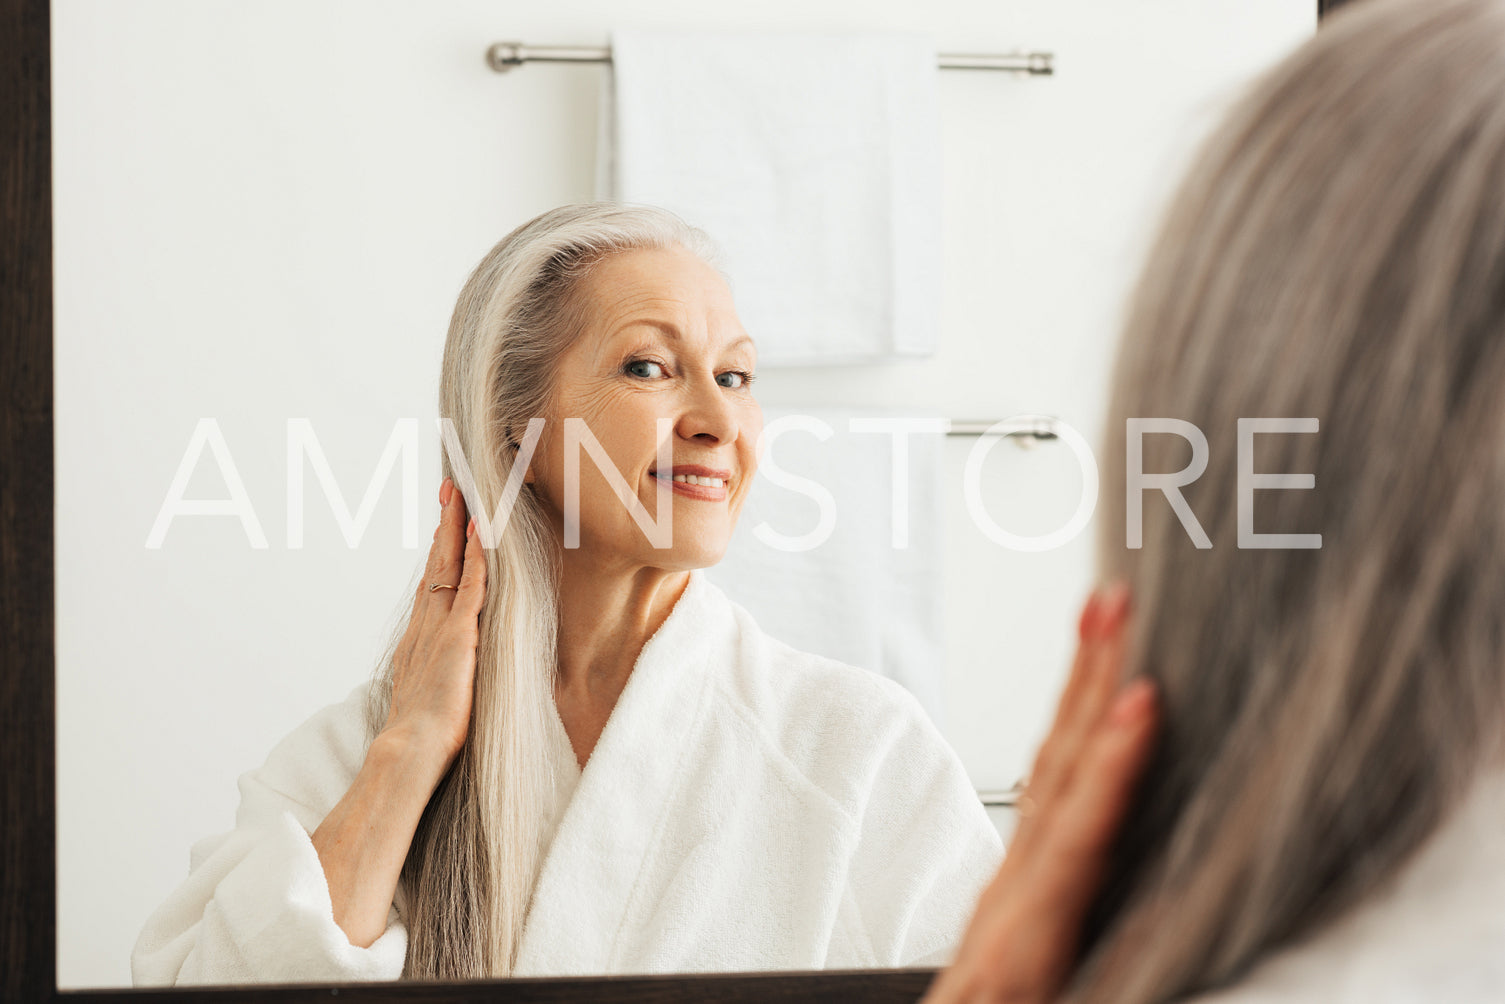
[[1336, 252], [470, 870]]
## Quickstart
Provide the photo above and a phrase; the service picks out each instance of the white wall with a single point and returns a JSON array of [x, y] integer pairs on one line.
[[265, 210]]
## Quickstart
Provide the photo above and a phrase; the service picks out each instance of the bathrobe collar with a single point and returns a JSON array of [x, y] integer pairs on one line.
[[612, 821]]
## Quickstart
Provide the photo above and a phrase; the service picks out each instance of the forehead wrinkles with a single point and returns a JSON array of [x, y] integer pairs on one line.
[[637, 302], [619, 307]]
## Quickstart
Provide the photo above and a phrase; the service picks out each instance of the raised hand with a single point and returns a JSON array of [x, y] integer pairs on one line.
[[1022, 941], [433, 677], [364, 840]]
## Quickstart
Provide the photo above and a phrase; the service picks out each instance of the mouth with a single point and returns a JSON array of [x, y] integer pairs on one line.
[[695, 481]]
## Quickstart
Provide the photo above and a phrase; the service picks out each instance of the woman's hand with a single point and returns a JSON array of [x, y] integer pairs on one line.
[[434, 667], [1021, 944], [364, 840]]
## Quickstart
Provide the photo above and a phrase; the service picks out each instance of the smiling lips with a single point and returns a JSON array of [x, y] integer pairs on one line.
[[696, 482]]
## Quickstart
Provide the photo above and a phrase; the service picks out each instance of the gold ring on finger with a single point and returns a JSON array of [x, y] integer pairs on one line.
[[443, 585]]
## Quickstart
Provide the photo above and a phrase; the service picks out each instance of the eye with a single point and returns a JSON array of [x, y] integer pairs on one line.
[[734, 379], [645, 368]]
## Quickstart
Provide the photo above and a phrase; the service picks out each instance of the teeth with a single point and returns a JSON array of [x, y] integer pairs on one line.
[[695, 479]]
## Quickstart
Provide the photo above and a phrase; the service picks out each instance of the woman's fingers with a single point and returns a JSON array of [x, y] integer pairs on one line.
[[421, 592], [434, 667], [1094, 805], [1105, 657], [472, 592], [1066, 867], [446, 559], [1045, 757], [431, 565], [1094, 678], [1021, 942]]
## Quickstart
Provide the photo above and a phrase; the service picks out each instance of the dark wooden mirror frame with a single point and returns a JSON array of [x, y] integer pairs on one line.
[[28, 890]]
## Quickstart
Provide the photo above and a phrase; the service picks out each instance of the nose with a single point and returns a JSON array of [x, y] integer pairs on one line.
[[708, 417]]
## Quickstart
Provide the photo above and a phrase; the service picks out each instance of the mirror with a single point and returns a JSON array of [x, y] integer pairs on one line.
[[262, 216]]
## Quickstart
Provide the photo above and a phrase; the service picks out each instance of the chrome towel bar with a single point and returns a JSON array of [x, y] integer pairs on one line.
[[506, 56]]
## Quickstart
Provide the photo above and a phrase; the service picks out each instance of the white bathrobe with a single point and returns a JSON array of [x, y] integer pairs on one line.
[[1433, 934], [747, 807]]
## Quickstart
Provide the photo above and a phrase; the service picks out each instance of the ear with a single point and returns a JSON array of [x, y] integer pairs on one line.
[[520, 456]]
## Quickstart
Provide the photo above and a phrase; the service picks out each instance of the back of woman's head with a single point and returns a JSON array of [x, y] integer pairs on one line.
[[475, 856], [1337, 252]]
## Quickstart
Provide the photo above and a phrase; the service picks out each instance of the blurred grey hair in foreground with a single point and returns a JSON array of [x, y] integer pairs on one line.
[[476, 854], [1337, 251]]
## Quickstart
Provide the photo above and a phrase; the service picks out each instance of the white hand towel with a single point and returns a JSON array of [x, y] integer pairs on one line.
[[813, 160], [849, 576]]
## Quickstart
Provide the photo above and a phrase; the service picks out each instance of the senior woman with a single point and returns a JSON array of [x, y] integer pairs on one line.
[[579, 756], [1324, 821]]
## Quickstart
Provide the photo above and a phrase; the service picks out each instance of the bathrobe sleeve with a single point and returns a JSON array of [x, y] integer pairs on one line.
[[926, 847], [255, 906]]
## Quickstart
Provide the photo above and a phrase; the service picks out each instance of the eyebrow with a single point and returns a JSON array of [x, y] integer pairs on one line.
[[672, 333]]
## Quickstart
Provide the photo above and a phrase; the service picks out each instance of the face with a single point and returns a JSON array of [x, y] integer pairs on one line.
[[661, 341]]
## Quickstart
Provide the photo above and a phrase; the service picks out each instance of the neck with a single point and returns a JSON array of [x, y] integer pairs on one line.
[[606, 616]]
